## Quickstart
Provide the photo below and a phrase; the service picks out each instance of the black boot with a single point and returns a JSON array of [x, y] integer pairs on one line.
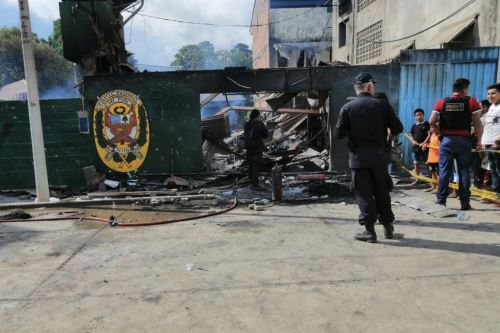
[[368, 236], [389, 230], [465, 205]]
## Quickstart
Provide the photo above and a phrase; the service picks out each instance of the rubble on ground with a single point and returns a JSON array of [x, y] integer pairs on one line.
[[298, 143]]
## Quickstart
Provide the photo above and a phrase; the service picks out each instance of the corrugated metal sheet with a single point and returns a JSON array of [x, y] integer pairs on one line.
[[428, 75]]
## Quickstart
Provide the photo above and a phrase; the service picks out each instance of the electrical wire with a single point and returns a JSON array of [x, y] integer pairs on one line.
[[131, 30], [322, 35], [232, 25], [238, 84], [421, 31]]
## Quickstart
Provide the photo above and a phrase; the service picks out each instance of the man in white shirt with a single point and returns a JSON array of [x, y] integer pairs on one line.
[[491, 135]]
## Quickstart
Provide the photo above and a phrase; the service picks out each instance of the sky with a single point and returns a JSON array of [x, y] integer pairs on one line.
[[152, 41]]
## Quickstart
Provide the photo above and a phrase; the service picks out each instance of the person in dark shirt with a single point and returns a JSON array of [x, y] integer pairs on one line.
[[255, 133], [364, 121], [419, 133], [455, 115]]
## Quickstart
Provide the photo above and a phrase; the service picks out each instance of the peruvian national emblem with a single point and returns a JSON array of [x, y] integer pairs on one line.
[[121, 130]]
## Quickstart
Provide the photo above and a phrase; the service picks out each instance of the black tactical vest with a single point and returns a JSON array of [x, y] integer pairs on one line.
[[455, 114]]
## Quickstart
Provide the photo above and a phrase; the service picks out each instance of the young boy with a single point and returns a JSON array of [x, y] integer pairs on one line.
[[419, 132], [432, 144]]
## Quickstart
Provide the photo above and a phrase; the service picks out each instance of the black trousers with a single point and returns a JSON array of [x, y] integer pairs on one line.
[[254, 159], [477, 171], [371, 187]]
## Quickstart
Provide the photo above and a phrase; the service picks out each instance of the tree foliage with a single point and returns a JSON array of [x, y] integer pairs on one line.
[[204, 56], [55, 39], [52, 69], [239, 56]]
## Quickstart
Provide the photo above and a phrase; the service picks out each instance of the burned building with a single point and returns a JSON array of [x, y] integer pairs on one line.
[[140, 124], [290, 33], [375, 31]]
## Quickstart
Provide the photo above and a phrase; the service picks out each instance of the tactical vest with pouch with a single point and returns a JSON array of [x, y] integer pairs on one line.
[[455, 115]]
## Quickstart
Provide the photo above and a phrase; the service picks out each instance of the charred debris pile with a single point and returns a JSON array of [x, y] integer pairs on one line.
[[298, 135], [298, 143]]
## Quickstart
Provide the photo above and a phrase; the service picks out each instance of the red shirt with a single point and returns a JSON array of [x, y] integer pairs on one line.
[[473, 106]]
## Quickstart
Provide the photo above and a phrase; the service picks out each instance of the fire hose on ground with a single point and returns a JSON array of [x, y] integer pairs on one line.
[[115, 223]]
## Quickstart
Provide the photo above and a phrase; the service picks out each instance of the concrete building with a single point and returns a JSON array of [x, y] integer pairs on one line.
[[374, 31], [290, 33], [15, 91]]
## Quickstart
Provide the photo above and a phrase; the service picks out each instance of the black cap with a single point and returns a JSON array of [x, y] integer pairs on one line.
[[364, 78]]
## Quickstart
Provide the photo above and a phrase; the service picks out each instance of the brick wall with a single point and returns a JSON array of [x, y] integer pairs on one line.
[[260, 34]]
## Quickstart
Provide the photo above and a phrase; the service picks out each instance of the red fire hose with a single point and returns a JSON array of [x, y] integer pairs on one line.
[[111, 221]]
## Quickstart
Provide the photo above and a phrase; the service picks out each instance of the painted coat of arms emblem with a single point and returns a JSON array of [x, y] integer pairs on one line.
[[121, 130]]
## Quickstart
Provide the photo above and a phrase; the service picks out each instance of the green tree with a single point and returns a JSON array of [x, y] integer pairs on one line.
[[55, 39], [52, 69], [11, 58], [240, 56], [203, 56], [194, 56]]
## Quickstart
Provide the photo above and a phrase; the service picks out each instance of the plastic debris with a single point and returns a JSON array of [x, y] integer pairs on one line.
[[111, 183], [132, 182], [263, 202], [461, 216]]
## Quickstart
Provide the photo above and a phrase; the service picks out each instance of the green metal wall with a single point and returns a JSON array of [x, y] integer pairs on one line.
[[173, 109], [174, 124], [67, 150]]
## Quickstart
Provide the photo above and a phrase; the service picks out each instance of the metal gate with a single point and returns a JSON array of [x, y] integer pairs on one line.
[[428, 75]]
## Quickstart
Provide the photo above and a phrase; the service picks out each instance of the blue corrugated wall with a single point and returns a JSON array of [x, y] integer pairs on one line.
[[428, 75]]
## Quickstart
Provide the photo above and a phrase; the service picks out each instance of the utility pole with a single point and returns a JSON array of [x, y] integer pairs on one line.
[[37, 144]]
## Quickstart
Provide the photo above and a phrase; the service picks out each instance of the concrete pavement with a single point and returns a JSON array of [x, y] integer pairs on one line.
[[285, 269]]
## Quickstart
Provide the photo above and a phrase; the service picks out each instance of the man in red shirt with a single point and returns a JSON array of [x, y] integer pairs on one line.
[[454, 116]]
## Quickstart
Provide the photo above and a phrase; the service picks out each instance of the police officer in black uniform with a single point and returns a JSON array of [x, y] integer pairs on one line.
[[364, 121]]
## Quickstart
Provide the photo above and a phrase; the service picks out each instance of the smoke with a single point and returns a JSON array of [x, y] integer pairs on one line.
[[66, 90], [236, 118]]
